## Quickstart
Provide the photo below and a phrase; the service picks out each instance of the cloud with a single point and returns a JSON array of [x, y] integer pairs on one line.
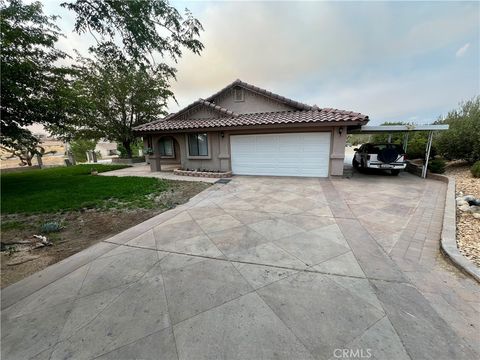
[[460, 52], [389, 60], [296, 48]]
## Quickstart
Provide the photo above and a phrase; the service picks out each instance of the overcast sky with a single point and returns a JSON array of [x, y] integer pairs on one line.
[[394, 61]]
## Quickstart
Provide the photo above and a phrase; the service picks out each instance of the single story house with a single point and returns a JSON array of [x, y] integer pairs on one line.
[[252, 131]]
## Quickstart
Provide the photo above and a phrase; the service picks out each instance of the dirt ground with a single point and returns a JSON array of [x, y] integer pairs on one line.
[[468, 227], [50, 159], [81, 229]]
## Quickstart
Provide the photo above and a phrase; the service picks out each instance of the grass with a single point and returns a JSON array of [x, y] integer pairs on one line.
[[74, 188]]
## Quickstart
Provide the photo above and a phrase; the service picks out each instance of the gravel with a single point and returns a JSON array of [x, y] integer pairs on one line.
[[468, 227]]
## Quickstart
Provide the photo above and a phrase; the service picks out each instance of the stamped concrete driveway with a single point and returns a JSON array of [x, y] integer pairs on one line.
[[259, 268]]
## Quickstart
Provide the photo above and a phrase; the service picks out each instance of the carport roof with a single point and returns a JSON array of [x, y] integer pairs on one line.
[[398, 128]]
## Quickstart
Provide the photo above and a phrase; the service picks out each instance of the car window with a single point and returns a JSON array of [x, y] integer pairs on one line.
[[376, 148]]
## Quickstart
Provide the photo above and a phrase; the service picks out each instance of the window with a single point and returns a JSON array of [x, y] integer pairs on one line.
[[166, 147], [238, 95], [197, 144]]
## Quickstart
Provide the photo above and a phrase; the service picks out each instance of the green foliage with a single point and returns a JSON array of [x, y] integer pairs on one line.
[[417, 141], [142, 26], [80, 147], [358, 139], [50, 227], [73, 188], [135, 147], [437, 166], [118, 95], [34, 87], [461, 141], [475, 169]]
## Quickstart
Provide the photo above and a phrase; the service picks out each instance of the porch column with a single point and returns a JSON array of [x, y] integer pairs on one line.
[[152, 142]]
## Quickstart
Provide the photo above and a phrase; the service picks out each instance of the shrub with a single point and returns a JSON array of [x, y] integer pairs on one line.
[[80, 147], [135, 147], [475, 170], [437, 166], [461, 142], [51, 227]]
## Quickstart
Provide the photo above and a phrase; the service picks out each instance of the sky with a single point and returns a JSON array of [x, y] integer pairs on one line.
[[393, 61]]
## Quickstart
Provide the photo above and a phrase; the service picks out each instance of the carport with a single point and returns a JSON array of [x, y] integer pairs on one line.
[[405, 129]]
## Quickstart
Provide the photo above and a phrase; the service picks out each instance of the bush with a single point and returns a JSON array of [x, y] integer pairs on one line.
[[475, 170], [461, 142], [51, 227], [437, 166], [80, 147], [136, 146]]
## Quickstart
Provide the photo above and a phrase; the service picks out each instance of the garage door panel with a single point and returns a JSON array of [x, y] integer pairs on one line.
[[289, 154]]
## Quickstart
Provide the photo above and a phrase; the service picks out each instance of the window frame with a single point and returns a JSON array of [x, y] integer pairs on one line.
[[207, 137], [235, 93], [166, 156]]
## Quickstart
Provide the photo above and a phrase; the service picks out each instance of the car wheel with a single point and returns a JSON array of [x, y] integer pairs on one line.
[[355, 163], [362, 167], [395, 172]]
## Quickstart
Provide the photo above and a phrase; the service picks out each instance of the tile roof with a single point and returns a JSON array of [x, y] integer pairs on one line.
[[205, 103], [315, 115], [303, 113]]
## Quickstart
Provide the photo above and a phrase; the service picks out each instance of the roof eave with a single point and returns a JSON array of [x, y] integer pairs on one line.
[[259, 126]]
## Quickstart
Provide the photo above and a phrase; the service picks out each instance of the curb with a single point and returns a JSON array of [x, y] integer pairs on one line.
[[448, 243]]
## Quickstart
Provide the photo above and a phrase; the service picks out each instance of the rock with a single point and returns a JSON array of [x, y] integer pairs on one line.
[[474, 202], [462, 202], [465, 207], [476, 215], [475, 209], [469, 198]]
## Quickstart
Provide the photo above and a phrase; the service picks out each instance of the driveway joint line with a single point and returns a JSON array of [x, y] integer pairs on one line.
[[272, 266], [127, 286]]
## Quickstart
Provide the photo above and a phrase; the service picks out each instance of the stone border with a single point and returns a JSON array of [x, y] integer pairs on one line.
[[448, 243], [206, 174]]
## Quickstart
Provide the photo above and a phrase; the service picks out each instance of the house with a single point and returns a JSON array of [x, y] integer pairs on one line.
[[252, 131]]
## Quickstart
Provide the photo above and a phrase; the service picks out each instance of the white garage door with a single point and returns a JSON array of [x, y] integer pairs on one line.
[[292, 154]]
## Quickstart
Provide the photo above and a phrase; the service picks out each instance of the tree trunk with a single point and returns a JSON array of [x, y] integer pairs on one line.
[[128, 149]]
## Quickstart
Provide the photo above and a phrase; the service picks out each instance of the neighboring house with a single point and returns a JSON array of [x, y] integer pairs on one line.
[[252, 131], [106, 149]]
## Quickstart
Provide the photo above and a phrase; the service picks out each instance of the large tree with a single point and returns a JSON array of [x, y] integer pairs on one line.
[[145, 28], [34, 88], [117, 94]]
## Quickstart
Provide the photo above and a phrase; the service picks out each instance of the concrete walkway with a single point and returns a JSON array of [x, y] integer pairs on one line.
[[259, 268]]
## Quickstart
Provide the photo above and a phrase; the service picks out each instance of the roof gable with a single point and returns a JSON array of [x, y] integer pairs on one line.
[[202, 109], [292, 104]]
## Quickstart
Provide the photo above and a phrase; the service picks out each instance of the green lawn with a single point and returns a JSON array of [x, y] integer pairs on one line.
[[73, 188]]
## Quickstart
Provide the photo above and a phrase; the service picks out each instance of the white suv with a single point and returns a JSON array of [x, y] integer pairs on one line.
[[380, 156]]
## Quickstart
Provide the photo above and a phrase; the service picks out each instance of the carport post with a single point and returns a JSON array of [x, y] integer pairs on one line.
[[405, 141], [427, 154]]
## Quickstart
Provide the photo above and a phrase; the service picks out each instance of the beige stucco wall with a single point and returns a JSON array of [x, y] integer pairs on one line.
[[219, 148], [252, 103]]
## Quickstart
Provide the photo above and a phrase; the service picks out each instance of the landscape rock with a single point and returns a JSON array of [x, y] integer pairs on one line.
[[474, 209]]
